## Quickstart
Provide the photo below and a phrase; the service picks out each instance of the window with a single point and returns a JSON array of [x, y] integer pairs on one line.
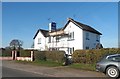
[[87, 36], [70, 50], [114, 58], [39, 40], [87, 47], [97, 38], [71, 36], [49, 39], [57, 39]]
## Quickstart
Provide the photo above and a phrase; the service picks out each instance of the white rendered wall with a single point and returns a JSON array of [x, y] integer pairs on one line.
[[77, 43], [42, 45]]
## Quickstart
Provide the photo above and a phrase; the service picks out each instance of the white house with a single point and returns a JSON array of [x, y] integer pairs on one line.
[[74, 35]]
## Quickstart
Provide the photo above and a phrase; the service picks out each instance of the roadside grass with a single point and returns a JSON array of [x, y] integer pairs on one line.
[[42, 63], [79, 66], [90, 67]]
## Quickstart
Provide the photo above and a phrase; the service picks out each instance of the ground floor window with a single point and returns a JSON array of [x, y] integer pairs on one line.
[[87, 47], [70, 50]]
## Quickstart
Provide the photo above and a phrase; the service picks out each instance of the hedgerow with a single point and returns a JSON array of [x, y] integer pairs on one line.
[[93, 55]]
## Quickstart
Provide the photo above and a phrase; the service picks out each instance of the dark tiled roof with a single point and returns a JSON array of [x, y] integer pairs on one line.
[[82, 26], [44, 32]]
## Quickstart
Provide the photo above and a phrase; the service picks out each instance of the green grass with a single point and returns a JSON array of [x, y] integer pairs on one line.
[[82, 66], [42, 63]]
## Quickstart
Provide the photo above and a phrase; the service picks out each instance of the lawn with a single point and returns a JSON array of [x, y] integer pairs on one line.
[[82, 66]]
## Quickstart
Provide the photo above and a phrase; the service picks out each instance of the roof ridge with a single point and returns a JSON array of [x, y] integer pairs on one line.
[[84, 26]]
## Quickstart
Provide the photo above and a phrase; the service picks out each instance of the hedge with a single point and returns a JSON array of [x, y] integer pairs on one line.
[[24, 53], [5, 53], [57, 56], [92, 56], [39, 55]]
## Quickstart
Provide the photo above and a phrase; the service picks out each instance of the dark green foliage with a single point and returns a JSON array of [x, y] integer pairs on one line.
[[5, 52], [39, 55], [24, 53], [57, 56], [92, 56]]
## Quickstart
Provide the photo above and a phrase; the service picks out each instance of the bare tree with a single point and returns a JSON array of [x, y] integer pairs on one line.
[[16, 44]]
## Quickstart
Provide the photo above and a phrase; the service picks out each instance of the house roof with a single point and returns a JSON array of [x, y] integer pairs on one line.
[[82, 26], [44, 32]]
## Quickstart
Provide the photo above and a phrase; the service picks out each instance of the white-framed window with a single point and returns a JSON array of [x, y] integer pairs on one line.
[[70, 50], [57, 39], [71, 36], [97, 38], [87, 36], [39, 40], [49, 39]]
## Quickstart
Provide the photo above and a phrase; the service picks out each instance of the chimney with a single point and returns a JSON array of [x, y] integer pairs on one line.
[[52, 26]]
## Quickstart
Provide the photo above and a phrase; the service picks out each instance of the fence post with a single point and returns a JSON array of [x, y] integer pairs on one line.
[[32, 55], [13, 55]]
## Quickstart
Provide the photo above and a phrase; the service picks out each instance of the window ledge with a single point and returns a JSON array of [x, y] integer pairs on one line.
[[70, 39]]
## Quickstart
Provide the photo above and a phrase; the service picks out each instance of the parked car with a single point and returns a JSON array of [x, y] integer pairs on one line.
[[110, 65]]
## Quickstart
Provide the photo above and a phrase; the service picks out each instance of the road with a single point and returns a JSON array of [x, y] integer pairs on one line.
[[13, 69], [9, 72]]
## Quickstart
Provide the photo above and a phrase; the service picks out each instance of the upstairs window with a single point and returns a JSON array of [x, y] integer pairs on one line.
[[39, 40], [71, 36], [49, 39], [57, 39], [97, 38], [87, 36]]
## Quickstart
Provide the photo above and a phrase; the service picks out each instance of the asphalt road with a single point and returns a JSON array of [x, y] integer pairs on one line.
[[9, 72], [13, 69]]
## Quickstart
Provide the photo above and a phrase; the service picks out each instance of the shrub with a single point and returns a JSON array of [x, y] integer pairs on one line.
[[6, 52], [39, 55], [92, 56], [24, 53], [57, 56]]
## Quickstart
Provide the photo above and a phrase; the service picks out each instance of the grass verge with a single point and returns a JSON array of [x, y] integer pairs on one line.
[[82, 66]]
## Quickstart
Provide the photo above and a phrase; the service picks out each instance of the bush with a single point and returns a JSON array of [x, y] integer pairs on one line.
[[24, 53], [92, 56], [39, 55], [6, 53], [57, 56]]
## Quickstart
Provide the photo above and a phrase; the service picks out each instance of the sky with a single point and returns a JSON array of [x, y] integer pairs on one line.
[[21, 20]]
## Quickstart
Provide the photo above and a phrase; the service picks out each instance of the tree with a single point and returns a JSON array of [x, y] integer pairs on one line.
[[16, 44]]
